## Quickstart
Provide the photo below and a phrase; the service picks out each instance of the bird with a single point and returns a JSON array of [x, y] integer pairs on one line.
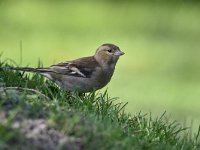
[[84, 74]]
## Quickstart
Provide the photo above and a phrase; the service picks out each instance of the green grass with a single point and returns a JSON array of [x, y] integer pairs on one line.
[[94, 121], [160, 39]]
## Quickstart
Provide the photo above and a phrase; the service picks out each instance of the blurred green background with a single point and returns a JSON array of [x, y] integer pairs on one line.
[[161, 68]]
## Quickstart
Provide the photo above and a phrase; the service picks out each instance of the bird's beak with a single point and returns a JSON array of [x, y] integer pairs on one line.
[[119, 53]]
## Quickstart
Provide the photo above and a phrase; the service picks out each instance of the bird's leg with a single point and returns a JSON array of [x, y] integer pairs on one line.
[[76, 94]]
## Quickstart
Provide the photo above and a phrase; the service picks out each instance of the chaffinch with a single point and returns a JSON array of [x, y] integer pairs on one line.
[[84, 74]]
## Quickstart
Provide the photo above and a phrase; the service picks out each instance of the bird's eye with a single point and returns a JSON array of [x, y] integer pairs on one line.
[[110, 50]]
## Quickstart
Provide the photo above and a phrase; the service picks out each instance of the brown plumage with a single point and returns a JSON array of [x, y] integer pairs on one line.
[[84, 74]]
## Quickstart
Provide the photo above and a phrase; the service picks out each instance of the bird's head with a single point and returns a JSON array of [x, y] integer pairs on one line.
[[108, 54]]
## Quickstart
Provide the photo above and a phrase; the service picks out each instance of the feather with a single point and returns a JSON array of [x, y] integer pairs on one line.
[[84, 74]]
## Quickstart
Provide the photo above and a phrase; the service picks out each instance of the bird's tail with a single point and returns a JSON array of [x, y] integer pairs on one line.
[[27, 69]]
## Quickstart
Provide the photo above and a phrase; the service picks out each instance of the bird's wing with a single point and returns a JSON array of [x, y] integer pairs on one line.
[[78, 68]]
